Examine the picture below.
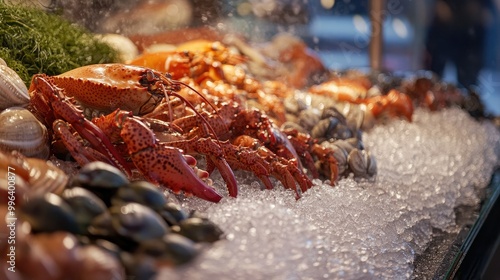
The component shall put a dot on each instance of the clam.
(308, 118)
(339, 153)
(126, 49)
(44, 176)
(21, 131)
(39, 176)
(13, 91)
(362, 163)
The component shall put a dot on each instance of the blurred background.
(458, 40)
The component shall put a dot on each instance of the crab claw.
(163, 164)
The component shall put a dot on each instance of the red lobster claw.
(163, 164)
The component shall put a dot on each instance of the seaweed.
(33, 41)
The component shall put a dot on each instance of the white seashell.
(21, 131)
(13, 91)
(123, 45)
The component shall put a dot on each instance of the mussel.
(137, 222)
(172, 249)
(85, 205)
(199, 229)
(49, 213)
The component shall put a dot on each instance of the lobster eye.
(150, 76)
(168, 75)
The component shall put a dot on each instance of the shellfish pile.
(99, 225)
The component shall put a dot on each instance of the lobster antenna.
(204, 98)
(200, 95)
(190, 105)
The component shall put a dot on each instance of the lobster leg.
(325, 156)
(78, 151)
(214, 153)
(286, 171)
(75, 147)
(302, 144)
(64, 109)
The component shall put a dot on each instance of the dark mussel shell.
(138, 222)
(172, 249)
(199, 229)
(102, 228)
(172, 213)
(102, 179)
(139, 266)
(49, 213)
(142, 192)
(85, 205)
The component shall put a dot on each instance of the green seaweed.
(33, 41)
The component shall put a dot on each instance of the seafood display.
(107, 156)
(153, 117)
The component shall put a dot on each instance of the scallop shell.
(21, 131)
(13, 91)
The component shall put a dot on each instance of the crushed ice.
(357, 229)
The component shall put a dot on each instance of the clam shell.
(362, 163)
(46, 177)
(13, 91)
(37, 175)
(21, 131)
